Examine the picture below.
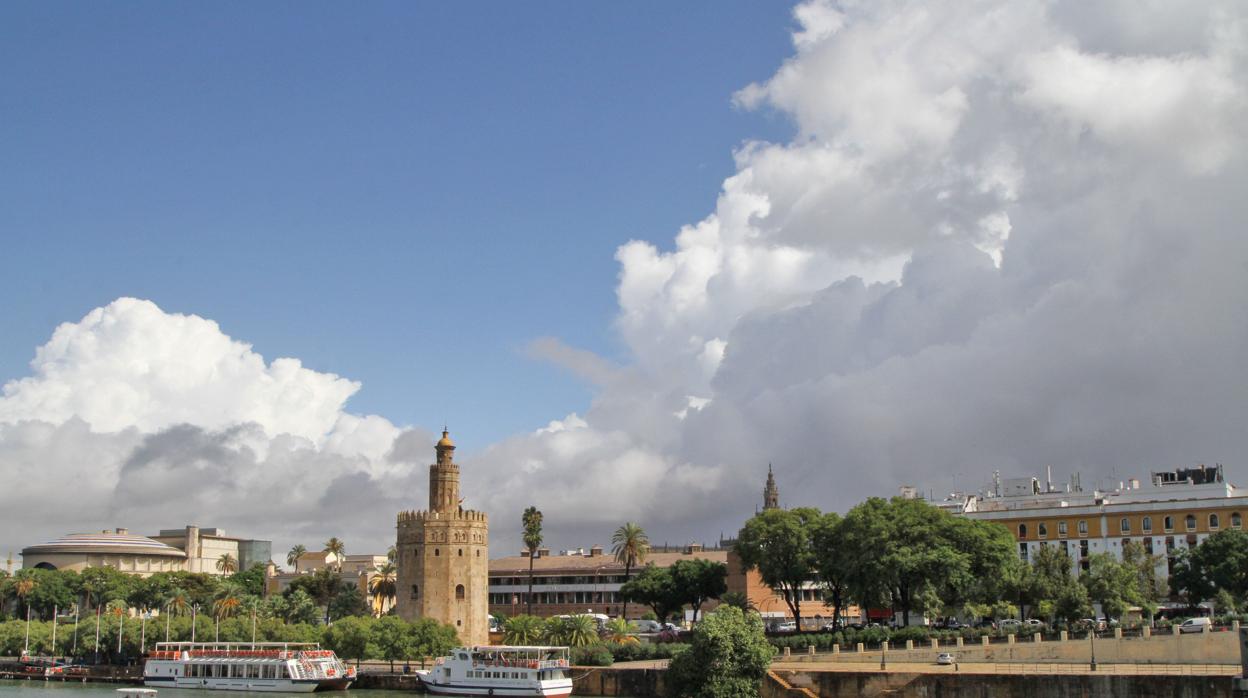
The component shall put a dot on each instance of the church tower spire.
(444, 477)
(771, 493)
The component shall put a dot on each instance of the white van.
(1196, 625)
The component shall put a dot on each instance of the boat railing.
(523, 663)
(228, 654)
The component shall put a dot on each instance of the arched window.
(1236, 520)
(1214, 522)
(437, 552)
(1042, 530)
(461, 552)
(459, 592)
(1190, 521)
(1168, 523)
(478, 553)
(1083, 527)
(1022, 530)
(1147, 524)
(1125, 525)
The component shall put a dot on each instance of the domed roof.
(445, 441)
(119, 542)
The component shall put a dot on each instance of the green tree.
(348, 602)
(322, 585)
(863, 533)
(383, 587)
(1219, 563)
(653, 587)
(531, 520)
(727, 658)
(227, 564)
(630, 545)
(832, 562)
(249, 581)
(779, 543)
(1110, 583)
(338, 549)
(349, 637)
(393, 639)
(738, 600)
(697, 581)
(522, 630)
(292, 557)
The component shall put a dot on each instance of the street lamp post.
(74, 651)
(97, 634)
(194, 615)
(1092, 640)
(27, 646)
(55, 609)
(121, 628)
(143, 634)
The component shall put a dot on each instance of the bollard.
(959, 641)
(1148, 632)
(1009, 639)
(861, 648)
(810, 649)
(1117, 633)
(1174, 629)
(788, 652)
(1062, 636)
(983, 640)
(1234, 626)
(1035, 637)
(935, 643)
(836, 649)
(909, 644)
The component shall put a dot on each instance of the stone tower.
(443, 556)
(771, 493)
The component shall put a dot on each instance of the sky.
(255, 258)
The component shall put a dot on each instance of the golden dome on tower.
(445, 441)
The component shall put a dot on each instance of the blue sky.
(405, 194)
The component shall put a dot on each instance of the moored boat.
(289, 667)
(513, 672)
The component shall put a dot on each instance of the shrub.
(597, 655)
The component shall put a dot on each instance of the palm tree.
(227, 564)
(630, 545)
(522, 630)
(620, 632)
(383, 587)
(580, 631)
(532, 522)
(338, 548)
(392, 553)
(292, 557)
(22, 588)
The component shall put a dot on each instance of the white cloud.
(1004, 235)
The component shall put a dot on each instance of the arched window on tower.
(461, 552)
(459, 592)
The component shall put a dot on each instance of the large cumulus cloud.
(1005, 235)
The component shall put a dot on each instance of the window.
(1042, 530)
(459, 592)
(1147, 524)
(437, 553)
(1190, 522)
(1214, 522)
(1061, 529)
(1168, 523)
(1236, 521)
(1125, 525)
(1148, 546)
(1083, 527)
(415, 591)
(1022, 551)
(1022, 530)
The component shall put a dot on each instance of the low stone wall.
(606, 681)
(1168, 648)
(902, 685)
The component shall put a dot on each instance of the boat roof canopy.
(517, 648)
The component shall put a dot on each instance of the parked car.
(787, 626)
(1034, 625)
(669, 628)
(1010, 624)
(952, 624)
(1196, 625)
(986, 623)
(945, 658)
(648, 626)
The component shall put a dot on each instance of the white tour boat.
(244, 666)
(515, 672)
